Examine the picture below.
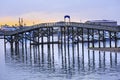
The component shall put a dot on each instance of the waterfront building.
(103, 22)
(8, 28)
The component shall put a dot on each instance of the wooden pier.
(74, 31)
(32, 40)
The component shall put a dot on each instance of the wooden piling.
(82, 48)
(65, 45)
(78, 52)
(53, 47)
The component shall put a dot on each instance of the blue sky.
(54, 10)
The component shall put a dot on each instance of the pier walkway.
(40, 43)
(63, 24)
(64, 31)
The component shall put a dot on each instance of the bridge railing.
(60, 24)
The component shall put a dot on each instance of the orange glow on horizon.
(12, 21)
(34, 18)
(30, 18)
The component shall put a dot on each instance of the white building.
(103, 22)
(7, 28)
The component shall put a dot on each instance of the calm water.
(103, 68)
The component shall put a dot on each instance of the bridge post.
(93, 38)
(110, 47)
(53, 46)
(48, 45)
(25, 45)
(103, 47)
(88, 37)
(115, 34)
(110, 38)
(65, 45)
(35, 56)
(78, 52)
(93, 41)
(61, 30)
(5, 43)
(99, 45)
(68, 34)
(104, 39)
(16, 45)
(11, 44)
(65, 50)
(99, 40)
(82, 32)
(38, 31)
(42, 47)
(73, 54)
(30, 47)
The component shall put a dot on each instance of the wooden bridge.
(64, 24)
(29, 42)
(64, 31)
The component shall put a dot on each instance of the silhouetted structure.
(33, 40)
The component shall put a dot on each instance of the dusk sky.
(39, 11)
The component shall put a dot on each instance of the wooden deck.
(67, 24)
(106, 49)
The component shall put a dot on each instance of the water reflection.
(65, 59)
(69, 59)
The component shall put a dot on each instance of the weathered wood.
(75, 24)
(106, 49)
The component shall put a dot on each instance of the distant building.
(103, 22)
(7, 28)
